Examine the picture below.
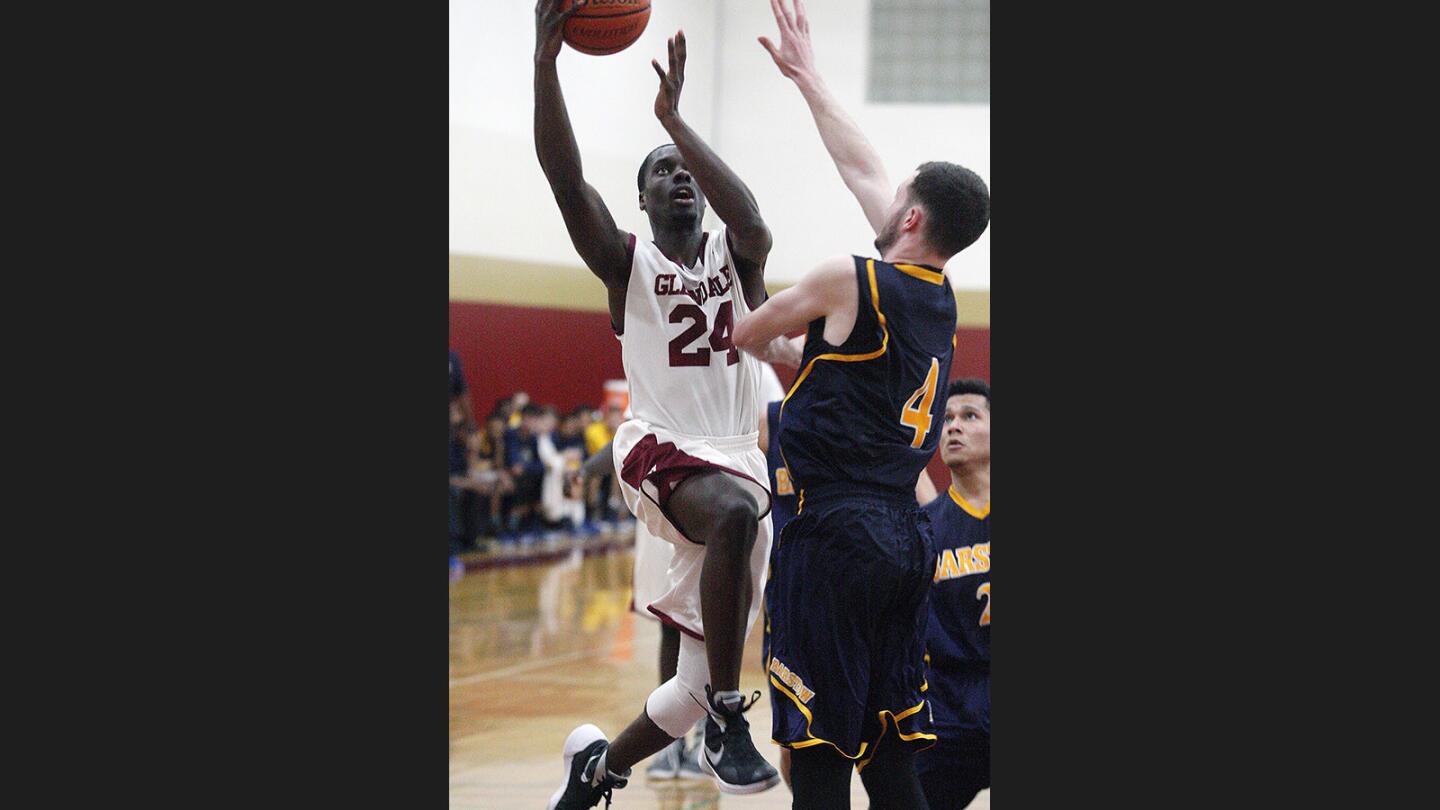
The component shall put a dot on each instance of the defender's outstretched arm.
(859, 164)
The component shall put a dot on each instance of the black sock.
(890, 778)
(820, 779)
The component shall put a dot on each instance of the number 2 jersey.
(684, 372)
(958, 636)
(867, 412)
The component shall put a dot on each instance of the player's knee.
(672, 708)
(736, 520)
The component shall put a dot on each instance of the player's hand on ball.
(667, 101)
(793, 56)
(550, 27)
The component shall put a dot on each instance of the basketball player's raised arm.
(827, 290)
(859, 164)
(592, 229)
(729, 197)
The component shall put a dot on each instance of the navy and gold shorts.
(846, 609)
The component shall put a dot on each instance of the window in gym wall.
(929, 51)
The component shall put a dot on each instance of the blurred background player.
(688, 463)
(958, 638)
(846, 603)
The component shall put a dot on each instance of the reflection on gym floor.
(537, 649)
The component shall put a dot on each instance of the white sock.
(599, 772)
(602, 770)
(730, 699)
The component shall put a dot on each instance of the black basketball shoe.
(728, 754)
(582, 754)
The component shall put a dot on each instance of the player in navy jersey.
(784, 503)
(958, 637)
(783, 500)
(846, 602)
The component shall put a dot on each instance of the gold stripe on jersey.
(846, 358)
(978, 514)
(922, 273)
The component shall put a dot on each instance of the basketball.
(606, 26)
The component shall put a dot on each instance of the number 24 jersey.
(684, 371)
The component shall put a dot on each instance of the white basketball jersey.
(684, 371)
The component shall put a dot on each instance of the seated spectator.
(487, 464)
(562, 452)
(518, 401)
(582, 416)
(602, 493)
(599, 432)
(572, 432)
(462, 424)
(522, 459)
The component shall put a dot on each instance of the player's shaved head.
(645, 164)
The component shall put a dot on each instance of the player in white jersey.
(652, 580)
(688, 461)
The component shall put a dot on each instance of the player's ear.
(642, 201)
(913, 217)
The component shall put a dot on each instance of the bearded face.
(890, 232)
(898, 208)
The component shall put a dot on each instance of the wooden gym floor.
(539, 648)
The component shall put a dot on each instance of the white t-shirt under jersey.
(683, 370)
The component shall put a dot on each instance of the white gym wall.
(500, 204)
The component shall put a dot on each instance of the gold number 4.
(916, 413)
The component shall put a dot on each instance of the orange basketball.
(602, 27)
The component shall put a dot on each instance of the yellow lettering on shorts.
(791, 680)
(782, 482)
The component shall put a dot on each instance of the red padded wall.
(563, 357)
(560, 357)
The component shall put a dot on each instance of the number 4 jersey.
(869, 411)
(684, 372)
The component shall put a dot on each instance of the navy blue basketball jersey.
(867, 411)
(958, 636)
(782, 490)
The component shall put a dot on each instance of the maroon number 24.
(719, 339)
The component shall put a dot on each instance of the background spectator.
(601, 493)
(522, 459)
(562, 449)
(462, 425)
